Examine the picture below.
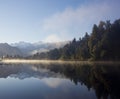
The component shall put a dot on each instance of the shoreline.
(33, 61)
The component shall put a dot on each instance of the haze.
(52, 20)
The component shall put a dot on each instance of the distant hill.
(6, 49)
(38, 47)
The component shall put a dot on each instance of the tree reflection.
(103, 79)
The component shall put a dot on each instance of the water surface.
(55, 81)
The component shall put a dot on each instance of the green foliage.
(102, 44)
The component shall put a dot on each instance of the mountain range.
(26, 48)
(6, 49)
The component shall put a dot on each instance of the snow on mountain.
(38, 47)
(21, 44)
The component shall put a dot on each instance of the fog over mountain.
(38, 47)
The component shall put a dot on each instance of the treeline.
(102, 44)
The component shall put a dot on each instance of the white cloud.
(75, 22)
(52, 38)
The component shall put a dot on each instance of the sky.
(52, 20)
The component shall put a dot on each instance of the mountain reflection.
(23, 71)
(103, 79)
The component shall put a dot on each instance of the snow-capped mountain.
(38, 47)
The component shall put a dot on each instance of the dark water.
(23, 81)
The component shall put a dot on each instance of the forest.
(102, 44)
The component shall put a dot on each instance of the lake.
(59, 81)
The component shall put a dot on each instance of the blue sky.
(52, 20)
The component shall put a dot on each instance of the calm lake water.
(55, 81)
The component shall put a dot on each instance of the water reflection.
(57, 81)
(23, 71)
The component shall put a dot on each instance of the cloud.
(52, 38)
(75, 22)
